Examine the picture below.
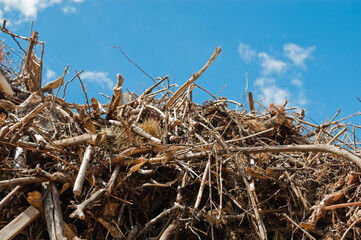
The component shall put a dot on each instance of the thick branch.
(82, 171)
(285, 148)
(53, 215)
(57, 177)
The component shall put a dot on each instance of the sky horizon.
(307, 52)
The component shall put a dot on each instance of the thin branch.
(125, 55)
(191, 80)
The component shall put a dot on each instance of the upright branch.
(194, 77)
(32, 67)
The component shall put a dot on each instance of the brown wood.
(19, 223)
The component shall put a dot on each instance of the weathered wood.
(53, 214)
(325, 148)
(5, 87)
(9, 196)
(49, 86)
(19, 223)
(58, 177)
(79, 212)
(82, 171)
(192, 79)
(143, 133)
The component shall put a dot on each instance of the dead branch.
(53, 215)
(192, 79)
(79, 212)
(143, 133)
(56, 177)
(82, 171)
(9, 196)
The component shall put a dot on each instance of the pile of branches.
(159, 166)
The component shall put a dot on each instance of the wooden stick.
(81, 139)
(275, 121)
(149, 90)
(169, 231)
(82, 171)
(349, 228)
(53, 215)
(298, 226)
(284, 148)
(156, 219)
(256, 219)
(118, 89)
(200, 191)
(79, 212)
(49, 86)
(194, 77)
(343, 205)
(251, 102)
(112, 179)
(73, 141)
(117, 97)
(330, 142)
(9, 196)
(320, 209)
(5, 87)
(19, 223)
(143, 133)
(25, 119)
(57, 177)
(28, 59)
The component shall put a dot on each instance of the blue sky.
(306, 51)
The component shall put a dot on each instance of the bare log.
(53, 215)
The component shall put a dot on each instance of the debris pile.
(160, 166)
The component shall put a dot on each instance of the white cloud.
(69, 9)
(297, 54)
(274, 94)
(246, 52)
(302, 99)
(100, 78)
(271, 65)
(28, 8)
(296, 82)
(20, 11)
(267, 85)
(262, 82)
(49, 75)
(269, 90)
